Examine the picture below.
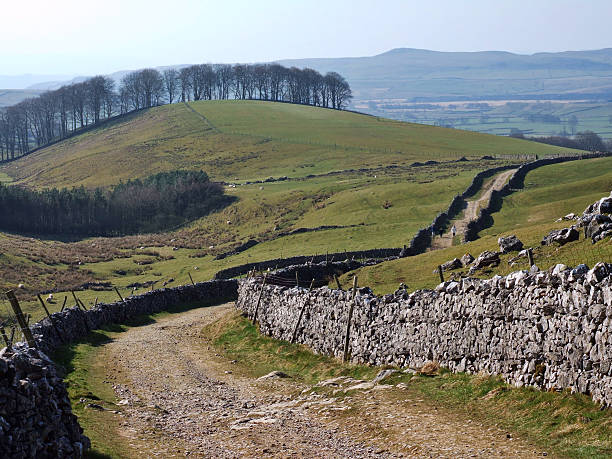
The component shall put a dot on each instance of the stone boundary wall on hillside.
(540, 329)
(36, 419)
(422, 239)
(485, 220)
(278, 263)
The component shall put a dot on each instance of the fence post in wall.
(21, 320)
(297, 324)
(337, 282)
(79, 303)
(6, 339)
(347, 334)
(263, 286)
(191, 279)
(117, 290)
(530, 257)
(50, 318)
(441, 273)
(297, 280)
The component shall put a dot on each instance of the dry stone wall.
(36, 419)
(517, 181)
(552, 331)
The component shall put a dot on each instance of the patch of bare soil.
(178, 397)
(471, 211)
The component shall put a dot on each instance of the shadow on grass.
(93, 454)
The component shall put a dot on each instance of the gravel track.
(471, 211)
(179, 398)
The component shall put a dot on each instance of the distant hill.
(12, 96)
(396, 84)
(422, 75)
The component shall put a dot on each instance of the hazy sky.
(89, 37)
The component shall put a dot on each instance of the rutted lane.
(180, 398)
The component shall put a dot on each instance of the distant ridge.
(425, 75)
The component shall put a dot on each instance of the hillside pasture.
(351, 171)
(550, 192)
(250, 140)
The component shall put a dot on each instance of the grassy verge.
(257, 355)
(563, 423)
(85, 379)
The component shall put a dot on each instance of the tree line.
(156, 203)
(586, 140)
(55, 115)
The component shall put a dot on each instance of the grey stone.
(486, 258)
(562, 236)
(467, 259)
(509, 244)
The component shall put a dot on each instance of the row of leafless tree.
(57, 114)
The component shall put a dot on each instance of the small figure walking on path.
(454, 230)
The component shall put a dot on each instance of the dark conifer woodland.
(156, 203)
(55, 115)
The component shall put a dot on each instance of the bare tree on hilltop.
(55, 115)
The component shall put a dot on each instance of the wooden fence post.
(337, 282)
(21, 319)
(117, 290)
(191, 279)
(530, 257)
(59, 335)
(79, 303)
(64, 303)
(347, 335)
(441, 273)
(6, 339)
(297, 281)
(263, 286)
(297, 324)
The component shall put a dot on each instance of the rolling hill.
(421, 75)
(373, 182)
(250, 140)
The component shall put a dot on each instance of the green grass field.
(345, 169)
(550, 192)
(253, 140)
(499, 118)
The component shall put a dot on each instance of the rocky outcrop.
(603, 206)
(562, 236)
(485, 259)
(455, 263)
(509, 244)
(552, 331)
(467, 259)
(598, 227)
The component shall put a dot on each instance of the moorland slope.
(373, 181)
(249, 140)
